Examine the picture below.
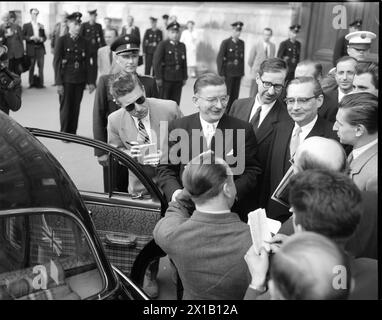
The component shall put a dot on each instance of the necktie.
(143, 136)
(210, 131)
(294, 141)
(111, 57)
(256, 119)
(350, 158)
(266, 51)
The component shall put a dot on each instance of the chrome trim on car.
(139, 290)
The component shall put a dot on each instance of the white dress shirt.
(265, 109)
(209, 129)
(35, 28)
(357, 152)
(146, 123)
(305, 130)
(341, 94)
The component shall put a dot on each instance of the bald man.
(303, 269)
(323, 153)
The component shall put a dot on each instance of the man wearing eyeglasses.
(125, 58)
(304, 98)
(211, 129)
(264, 111)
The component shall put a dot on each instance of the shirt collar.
(308, 127)
(205, 124)
(358, 151)
(263, 105)
(144, 119)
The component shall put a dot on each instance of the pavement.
(40, 109)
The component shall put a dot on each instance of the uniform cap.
(238, 25)
(360, 39)
(165, 16)
(75, 16)
(295, 27)
(12, 14)
(91, 12)
(173, 26)
(153, 19)
(125, 43)
(357, 23)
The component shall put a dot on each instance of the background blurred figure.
(104, 55)
(230, 62)
(107, 23)
(366, 78)
(164, 25)
(262, 50)
(34, 35)
(92, 32)
(190, 38)
(151, 40)
(14, 41)
(60, 29)
(131, 30)
(357, 125)
(290, 50)
(302, 269)
(341, 46)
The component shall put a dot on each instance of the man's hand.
(60, 89)
(91, 88)
(258, 266)
(103, 160)
(152, 159)
(277, 241)
(159, 82)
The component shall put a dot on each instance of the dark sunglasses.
(131, 106)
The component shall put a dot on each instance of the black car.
(62, 239)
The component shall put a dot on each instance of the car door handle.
(122, 241)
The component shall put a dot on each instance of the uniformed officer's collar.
(234, 40)
(174, 42)
(74, 37)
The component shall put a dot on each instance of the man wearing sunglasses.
(304, 97)
(126, 58)
(264, 111)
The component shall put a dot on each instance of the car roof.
(30, 177)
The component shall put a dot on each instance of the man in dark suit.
(264, 111)
(151, 40)
(34, 35)
(232, 139)
(130, 30)
(230, 62)
(92, 31)
(309, 68)
(304, 98)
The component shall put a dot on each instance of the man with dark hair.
(263, 112)
(230, 62)
(170, 65)
(304, 98)
(207, 247)
(34, 35)
(309, 68)
(126, 56)
(151, 39)
(302, 269)
(366, 78)
(261, 51)
(212, 129)
(357, 125)
(105, 56)
(73, 71)
(341, 46)
(92, 32)
(290, 50)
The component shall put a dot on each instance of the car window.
(46, 256)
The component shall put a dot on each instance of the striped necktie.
(143, 136)
(294, 141)
(350, 158)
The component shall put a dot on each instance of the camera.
(7, 80)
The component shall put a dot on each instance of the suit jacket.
(103, 60)
(279, 156)
(241, 109)
(121, 128)
(134, 33)
(364, 170)
(14, 42)
(56, 34)
(169, 175)
(257, 56)
(208, 251)
(329, 107)
(104, 104)
(34, 49)
(230, 58)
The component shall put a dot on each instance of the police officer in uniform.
(151, 40)
(341, 46)
(92, 31)
(230, 62)
(290, 51)
(73, 71)
(170, 65)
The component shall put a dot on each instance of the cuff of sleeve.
(176, 192)
(259, 289)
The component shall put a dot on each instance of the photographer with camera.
(10, 85)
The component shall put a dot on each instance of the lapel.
(268, 123)
(359, 163)
(280, 149)
(195, 124)
(246, 109)
(317, 130)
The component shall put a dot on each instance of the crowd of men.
(319, 130)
